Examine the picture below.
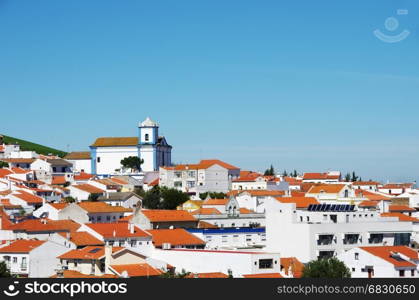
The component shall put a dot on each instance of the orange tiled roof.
(28, 197)
(115, 141)
(257, 193)
(5, 172)
(392, 208)
(297, 193)
(77, 155)
(20, 171)
(89, 252)
(385, 252)
(58, 180)
(38, 225)
(137, 270)
(75, 274)
(326, 188)
(83, 176)
(207, 275)
(397, 186)
(206, 211)
(292, 266)
(89, 188)
(59, 206)
(165, 215)
(368, 203)
(21, 246)
(370, 195)
(82, 238)
(301, 202)
(365, 183)
(203, 224)
(263, 275)
(244, 211)
(402, 217)
(215, 202)
(101, 207)
(118, 181)
(118, 230)
(176, 237)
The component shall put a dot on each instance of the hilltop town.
(123, 209)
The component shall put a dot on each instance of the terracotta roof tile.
(263, 275)
(137, 270)
(176, 237)
(101, 207)
(77, 155)
(119, 230)
(82, 238)
(21, 246)
(326, 188)
(301, 202)
(89, 252)
(165, 215)
(387, 253)
(115, 141)
(89, 188)
(206, 211)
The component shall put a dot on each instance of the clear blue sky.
(301, 84)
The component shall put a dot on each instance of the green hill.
(28, 146)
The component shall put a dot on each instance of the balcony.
(351, 239)
(325, 240)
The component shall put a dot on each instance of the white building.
(81, 161)
(207, 176)
(107, 152)
(325, 230)
(381, 261)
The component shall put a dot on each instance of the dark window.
(146, 137)
(98, 159)
(401, 273)
(265, 263)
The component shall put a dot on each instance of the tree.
(213, 195)
(172, 274)
(295, 174)
(285, 173)
(4, 272)
(151, 199)
(69, 199)
(132, 162)
(270, 171)
(172, 198)
(3, 164)
(354, 177)
(93, 197)
(348, 177)
(326, 268)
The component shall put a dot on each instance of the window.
(353, 269)
(248, 238)
(98, 159)
(356, 256)
(146, 137)
(265, 263)
(14, 259)
(401, 273)
(99, 218)
(412, 273)
(108, 218)
(133, 243)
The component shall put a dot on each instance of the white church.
(107, 152)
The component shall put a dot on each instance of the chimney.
(108, 258)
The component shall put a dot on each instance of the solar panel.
(310, 207)
(318, 206)
(324, 207)
(327, 207)
(352, 208)
(94, 250)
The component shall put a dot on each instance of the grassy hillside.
(28, 146)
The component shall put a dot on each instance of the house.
(93, 212)
(81, 161)
(332, 193)
(41, 229)
(231, 237)
(120, 234)
(31, 258)
(255, 199)
(382, 262)
(190, 205)
(218, 204)
(328, 177)
(396, 189)
(211, 175)
(97, 260)
(50, 210)
(135, 270)
(46, 168)
(261, 182)
(325, 230)
(82, 192)
(175, 238)
(163, 219)
(107, 152)
(24, 163)
(28, 201)
(366, 185)
(236, 263)
(123, 199)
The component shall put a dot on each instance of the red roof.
(83, 176)
(5, 172)
(301, 202)
(402, 217)
(21, 246)
(81, 238)
(207, 275)
(176, 237)
(101, 207)
(118, 230)
(137, 270)
(28, 197)
(89, 188)
(166, 215)
(215, 202)
(89, 252)
(206, 211)
(400, 208)
(45, 225)
(58, 180)
(292, 265)
(388, 254)
(368, 203)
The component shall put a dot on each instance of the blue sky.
(301, 84)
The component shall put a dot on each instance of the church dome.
(148, 123)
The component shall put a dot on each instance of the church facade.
(107, 152)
